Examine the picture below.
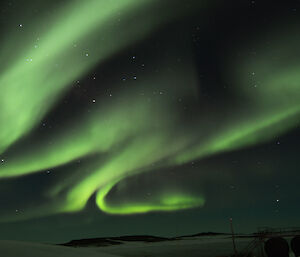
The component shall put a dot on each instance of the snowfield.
(215, 246)
(24, 249)
(208, 246)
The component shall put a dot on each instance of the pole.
(262, 252)
(232, 234)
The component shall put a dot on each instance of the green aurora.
(132, 134)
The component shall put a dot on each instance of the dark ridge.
(107, 241)
(91, 242)
(143, 238)
(205, 234)
(245, 236)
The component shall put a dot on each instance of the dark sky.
(142, 117)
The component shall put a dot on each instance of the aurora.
(139, 129)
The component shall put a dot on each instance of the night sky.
(162, 117)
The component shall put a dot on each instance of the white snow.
(215, 246)
(188, 247)
(24, 249)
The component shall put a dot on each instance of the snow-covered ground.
(24, 249)
(214, 246)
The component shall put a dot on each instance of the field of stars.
(148, 117)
